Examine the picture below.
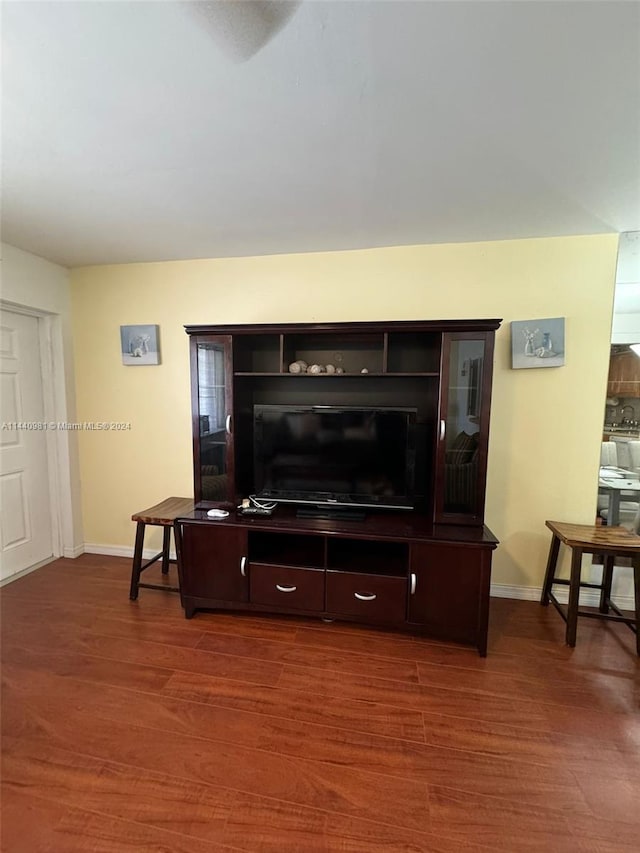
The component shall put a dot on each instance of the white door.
(25, 503)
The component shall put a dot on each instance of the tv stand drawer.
(283, 586)
(374, 597)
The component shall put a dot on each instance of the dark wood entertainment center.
(426, 570)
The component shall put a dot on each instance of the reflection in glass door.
(460, 428)
(214, 413)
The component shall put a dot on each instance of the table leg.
(574, 596)
(551, 569)
(614, 508)
(166, 545)
(137, 561)
(636, 584)
(607, 579)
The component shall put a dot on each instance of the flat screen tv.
(335, 455)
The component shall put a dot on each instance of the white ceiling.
(141, 131)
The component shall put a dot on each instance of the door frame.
(55, 409)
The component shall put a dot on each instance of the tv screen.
(335, 455)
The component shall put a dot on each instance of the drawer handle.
(365, 596)
(414, 581)
(286, 588)
(243, 566)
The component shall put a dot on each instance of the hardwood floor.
(128, 728)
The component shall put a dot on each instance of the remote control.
(255, 510)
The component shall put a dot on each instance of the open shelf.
(413, 352)
(352, 353)
(395, 354)
(334, 376)
(255, 354)
(286, 549)
(367, 557)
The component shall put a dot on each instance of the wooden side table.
(611, 542)
(161, 515)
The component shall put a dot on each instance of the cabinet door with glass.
(463, 428)
(212, 398)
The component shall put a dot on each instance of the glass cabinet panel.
(463, 430)
(214, 428)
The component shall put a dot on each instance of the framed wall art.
(140, 345)
(537, 343)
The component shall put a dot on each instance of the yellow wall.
(546, 424)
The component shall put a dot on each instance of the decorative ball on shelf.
(364, 370)
(294, 367)
(303, 365)
(330, 368)
(314, 368)
(339, 370)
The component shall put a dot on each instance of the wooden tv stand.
(425, 570)
(388, 570)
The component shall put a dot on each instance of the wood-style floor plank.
(128, 728)
(34, 824)
(299, 705)
(353, 792)
(570, 692)
(511, 827)
(524, 743)
(344, 662)
(89, 667)
(268, 827)
(75, 780)
(145, 652)
(29, 824)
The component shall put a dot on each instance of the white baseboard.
(121, 551)
(72, 553)
(524, 593)
(588, 597)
